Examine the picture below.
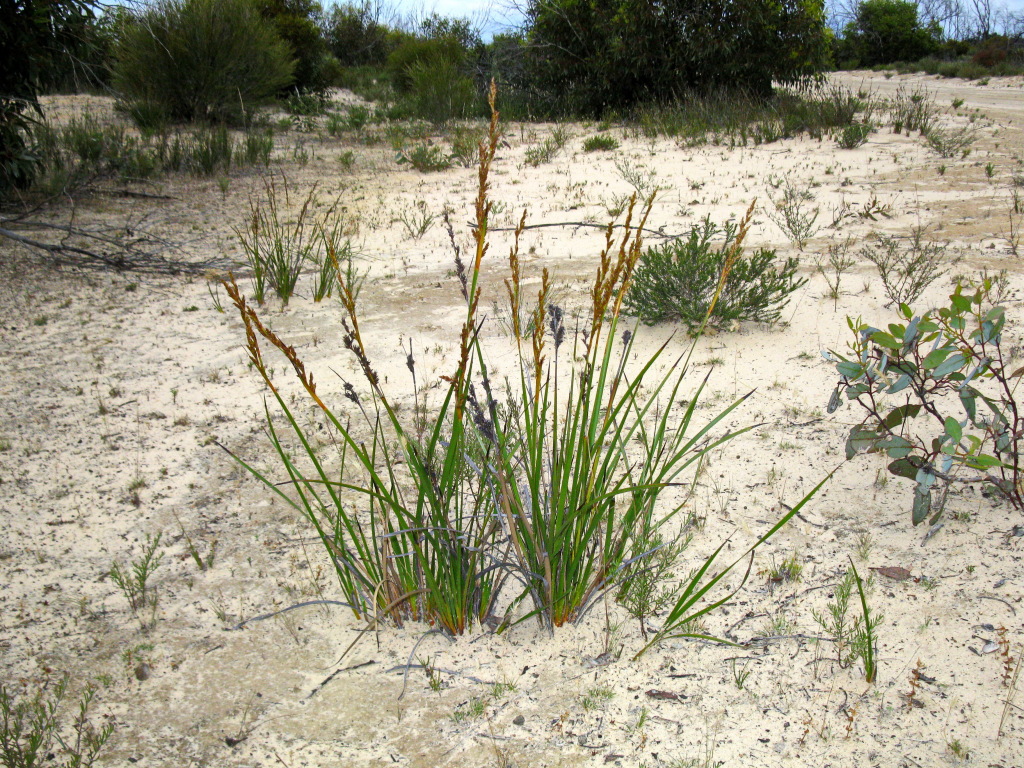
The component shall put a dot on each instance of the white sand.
(124, 382)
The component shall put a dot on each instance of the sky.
(495, 15)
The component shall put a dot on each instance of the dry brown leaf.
(894, 572)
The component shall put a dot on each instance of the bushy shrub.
(202, 59)
(907, 265)
(853, 136)
(992, 52)
(952, 142)
(438, 92)
(602, 142)
(426, 158)
(681, 280)
(421, 53)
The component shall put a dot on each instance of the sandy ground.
(115, 389)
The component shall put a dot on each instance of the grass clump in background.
(602, 142)
(686, 281)
(86, 148)
(502, 504)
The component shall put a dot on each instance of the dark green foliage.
(297, 23)
(602, 142)
(202, 59)
(432, 72)
(886, 31)
(35, 38)
(439, 92)
(86, 61)
(356, 35)
(422, 52)
(600, 55)
(678, 281)
(308, 104)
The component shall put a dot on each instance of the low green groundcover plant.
(498, 503)
(694, 281)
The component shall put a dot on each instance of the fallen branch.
(118, 252)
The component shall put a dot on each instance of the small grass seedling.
(596, 696)
(958, 750)
(739, 676)
(133, 580)
(417, 220)
(788, 570)
(864, 639)
(473, 709)
(201, 563)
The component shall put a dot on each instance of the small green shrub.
(681, 281)
(257, 146)
(426, 158)
(358, 116)
(602, 142)
(795, 213)
(212, 150)
(544, 152)
(150, 117)
(906, 265)
(133, 580)
(201, 59)
(954, 354)
(853, 136)
(951, 143)
(306, 104)
(912, 110)
(29, 728)
(465, 141)
(856, 640)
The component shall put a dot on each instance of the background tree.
(886, 31)
(358, 34)
(298, 23)
(611, 54)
